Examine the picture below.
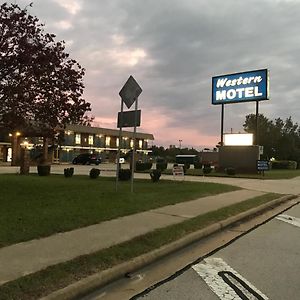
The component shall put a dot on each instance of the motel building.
(76, 139)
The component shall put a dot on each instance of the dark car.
(87, 159)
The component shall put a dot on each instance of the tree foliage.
(40, 86)
(281, 139)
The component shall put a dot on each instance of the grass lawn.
(272, 174)
(34, 206)
(39, 284)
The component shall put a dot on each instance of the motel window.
(140, 144)
(107, 141)
(131, 143)
(78, 138)
(91, 139)
(117, 142)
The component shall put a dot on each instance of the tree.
(40, 86)
(281, 139)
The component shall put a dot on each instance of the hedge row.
(284, 164)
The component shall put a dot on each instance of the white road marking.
(225, 282)
(289, 219)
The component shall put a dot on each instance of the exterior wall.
(104, 142)
(242, 158)
(76, 139)
(211, 158)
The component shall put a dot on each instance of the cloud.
(173, 48)
(72, 6)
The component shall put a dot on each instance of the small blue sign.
(262, 165)
(241, 87)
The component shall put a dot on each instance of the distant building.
(76, 139)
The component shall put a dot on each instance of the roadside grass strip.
(33, 207)
(46, 281)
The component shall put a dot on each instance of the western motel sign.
(241, 87)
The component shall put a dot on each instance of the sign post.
(241, 87)
(129, 94)
(120, 145)
(262, 166)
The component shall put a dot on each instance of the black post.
(256, 125)
(222, 124)
(120, 144)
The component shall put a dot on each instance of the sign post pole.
(133, 150)
(222, 125)
(129, 94)
(119, 147)
(256, 125)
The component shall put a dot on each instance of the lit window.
(117, 142)
(131, 143)
(107, 141)
(91, 139)
(140, 144)
(77, 138)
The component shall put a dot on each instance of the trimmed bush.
(43, 170)
(187, 166)
(124, 174)
(155, 175)
(230, 171)
(94, 173)
(284, 164)
(161, 166)
(206, 169)
(198, 165)
(68, 172)
(143, 166)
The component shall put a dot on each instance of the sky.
(173, 48)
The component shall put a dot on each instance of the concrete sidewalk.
(29, 257)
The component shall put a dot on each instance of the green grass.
(272, 174)
(33, 206)
(46, 281)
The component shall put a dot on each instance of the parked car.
(87, 159)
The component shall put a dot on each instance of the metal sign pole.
(256, 125)
(120, 143)
(133, 150)
(222, 124)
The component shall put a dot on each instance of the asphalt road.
(263, 264)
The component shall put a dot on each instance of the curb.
(96, 281)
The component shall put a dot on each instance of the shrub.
(94, 173)
(143, 166)
(230, 171)
(161, 166)
(198, 165)
(160, 160)
(43, 170)
(284, 164)
(68, 172)
(155, 175)
(206, 169)
(124, 174)
(187, 166)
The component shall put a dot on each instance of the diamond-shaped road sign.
(130, 91)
